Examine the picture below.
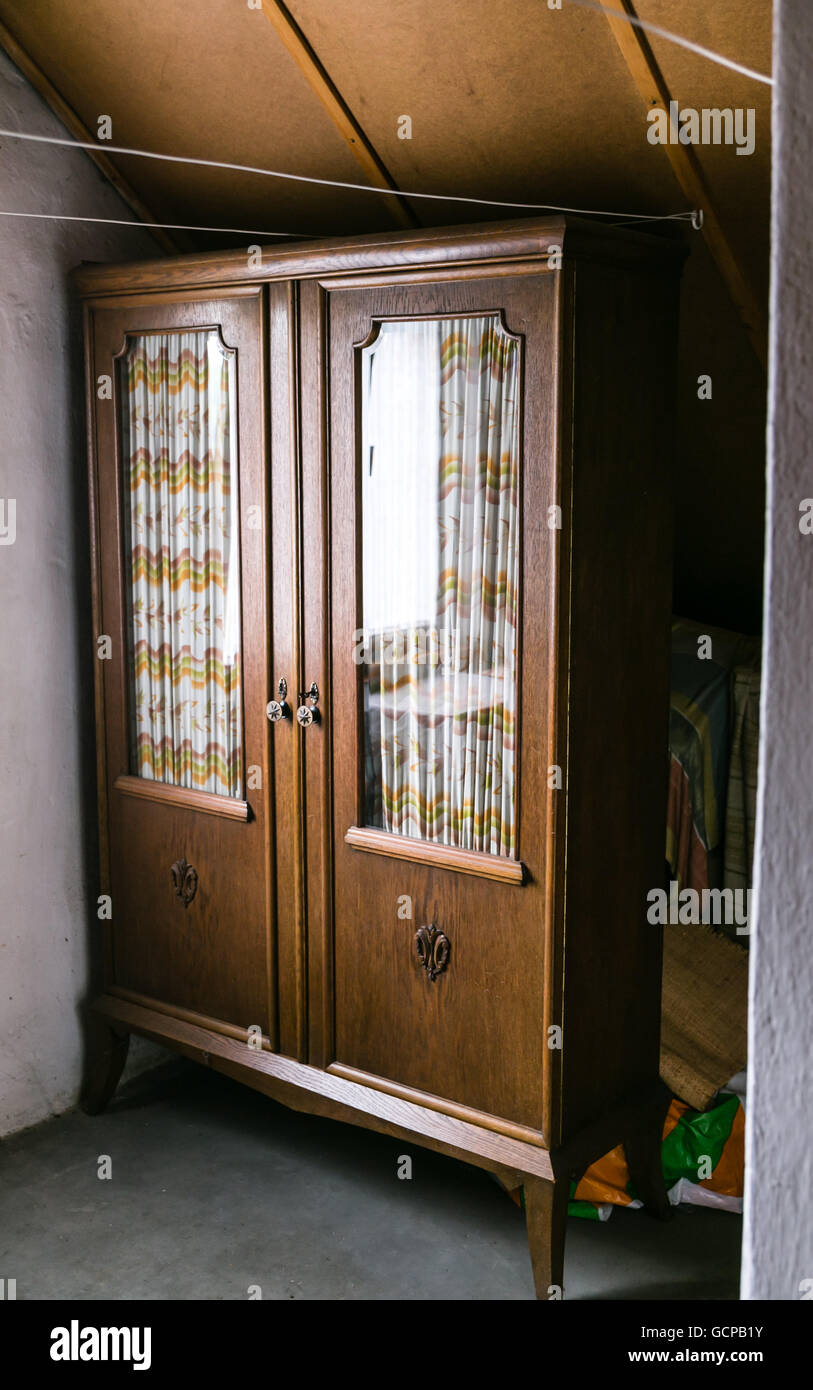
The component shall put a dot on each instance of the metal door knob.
(278, 709)
(308, 714)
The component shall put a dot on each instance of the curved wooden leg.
(642, 1146)
(107, 1055)
(545, 1217)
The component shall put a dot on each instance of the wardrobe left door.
(180, 489)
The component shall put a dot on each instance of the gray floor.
(215, 1189)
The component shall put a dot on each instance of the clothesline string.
(107, 148)
(245, 231)
(667, 34)
(163, 226)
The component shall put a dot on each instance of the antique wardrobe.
(382, 577)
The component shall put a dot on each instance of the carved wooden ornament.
(433, 950)
(184, 881)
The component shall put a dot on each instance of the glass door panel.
(182, 569)
(440, 452)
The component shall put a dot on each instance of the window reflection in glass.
(440, 541)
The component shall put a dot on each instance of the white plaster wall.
(47, 761)
(778, 1237)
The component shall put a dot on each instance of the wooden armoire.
(382, 595)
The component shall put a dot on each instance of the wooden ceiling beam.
(342, 117)
(649, 79)
(77, 128)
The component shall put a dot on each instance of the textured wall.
(47, 761)
(778, 1245)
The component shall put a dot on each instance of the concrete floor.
(215, 1188)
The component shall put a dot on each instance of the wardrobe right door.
(441, 697)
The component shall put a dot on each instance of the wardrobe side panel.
(625, 328)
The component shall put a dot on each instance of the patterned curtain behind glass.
(183, 590)
(441, 750)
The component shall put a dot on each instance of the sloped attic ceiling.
(508, 100)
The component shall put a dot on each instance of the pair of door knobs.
(306, 713)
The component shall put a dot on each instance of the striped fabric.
(183, 574)
(442, 698)
(742, 780)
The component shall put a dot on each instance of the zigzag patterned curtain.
(179, 436)
(440, 477)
